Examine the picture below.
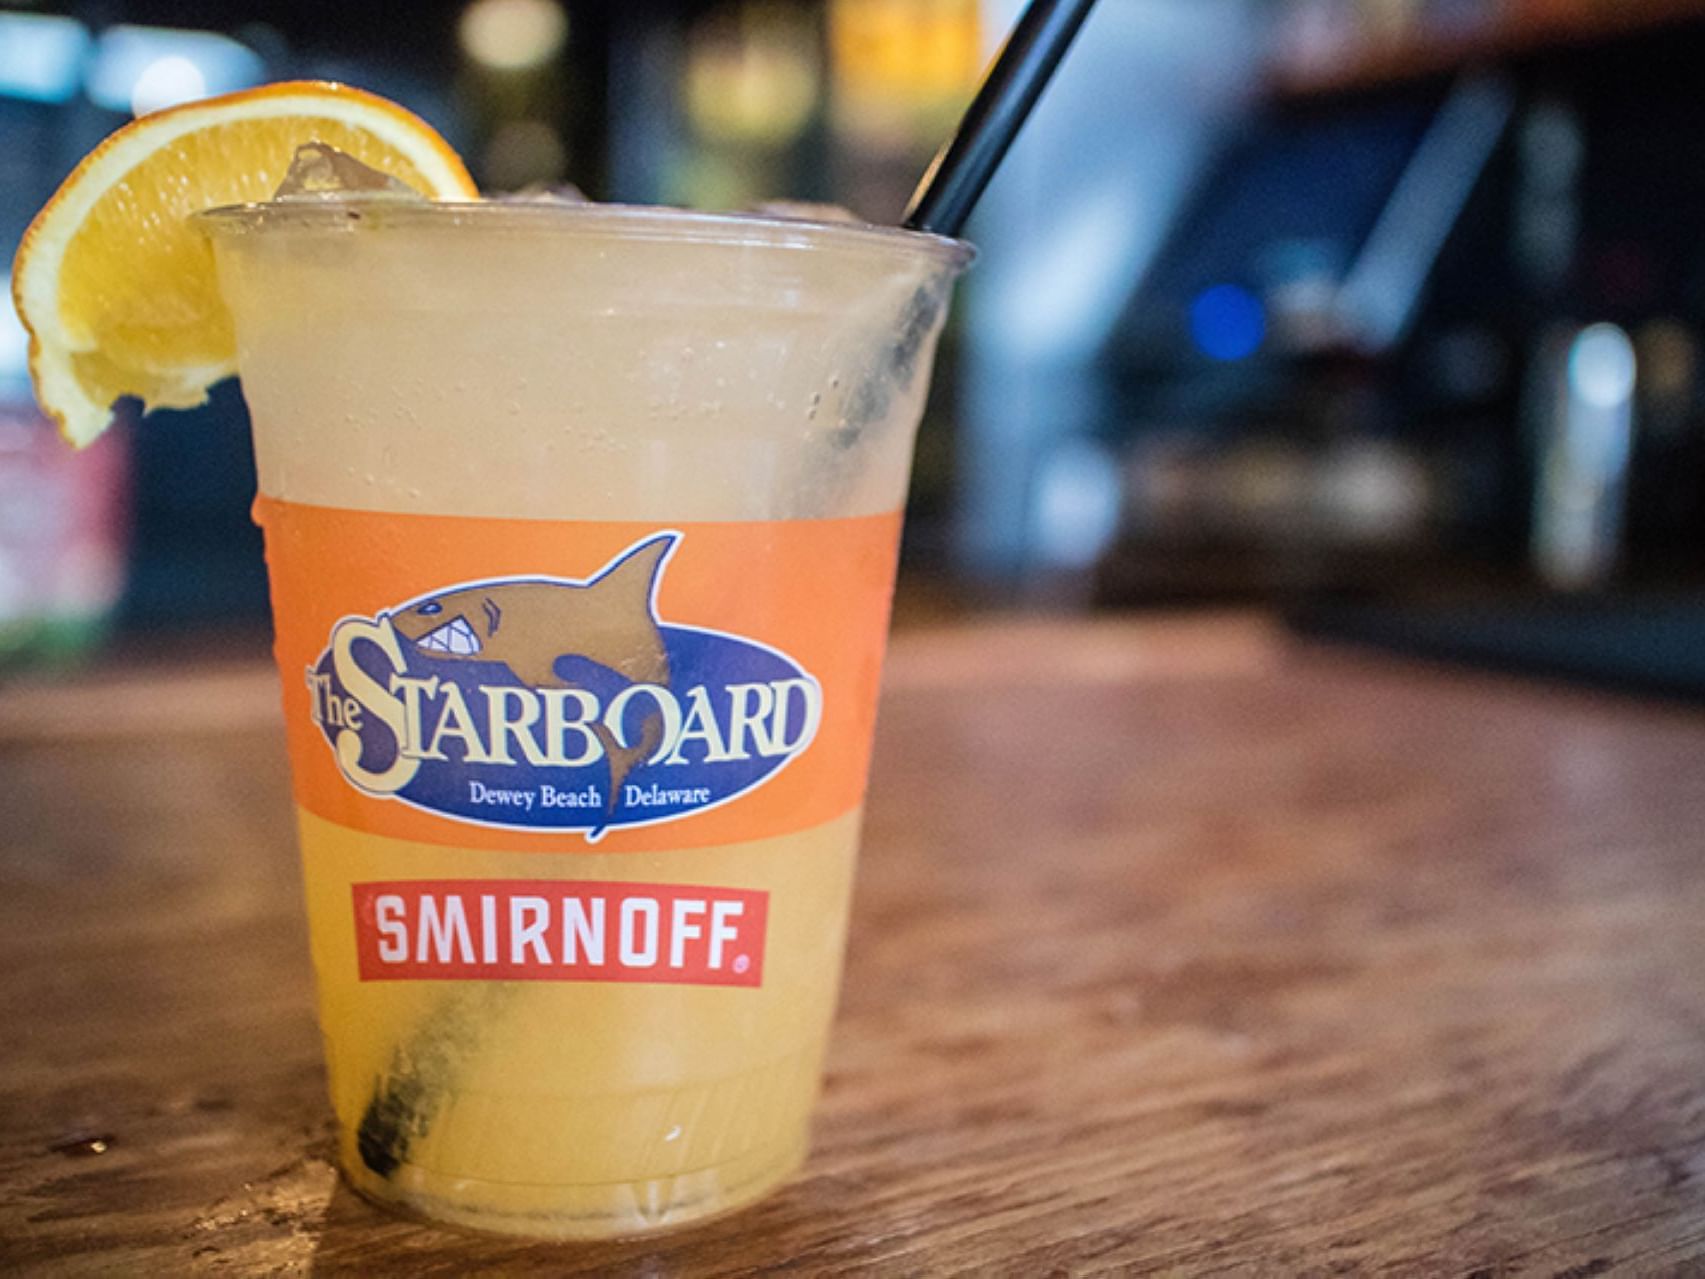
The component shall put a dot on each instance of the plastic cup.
(581, 526)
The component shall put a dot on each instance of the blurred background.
(1383, 314)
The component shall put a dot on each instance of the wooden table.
(1176, 950)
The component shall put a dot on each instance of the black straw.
(949, 190)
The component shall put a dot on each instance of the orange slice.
(117, 289)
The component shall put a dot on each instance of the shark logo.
(558, 704)
(607, 623)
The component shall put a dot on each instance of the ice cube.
(566, 193)
(805, 211)
(321, 172)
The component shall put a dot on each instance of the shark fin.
(635, 574)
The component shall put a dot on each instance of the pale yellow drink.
(549, 364)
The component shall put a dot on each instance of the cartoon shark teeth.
(455, 637)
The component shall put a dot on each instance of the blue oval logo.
(546, 703)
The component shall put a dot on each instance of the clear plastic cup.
(600, 507)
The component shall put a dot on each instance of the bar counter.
(1178, 947)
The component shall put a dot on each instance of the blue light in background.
(1227, 322)
(41, 56)
(142, 69)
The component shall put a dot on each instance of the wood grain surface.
(1176, 950)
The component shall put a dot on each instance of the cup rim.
(344, 215)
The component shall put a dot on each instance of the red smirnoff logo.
(552, 930)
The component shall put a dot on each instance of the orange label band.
(564, 686)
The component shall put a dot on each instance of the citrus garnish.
(118, 290)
